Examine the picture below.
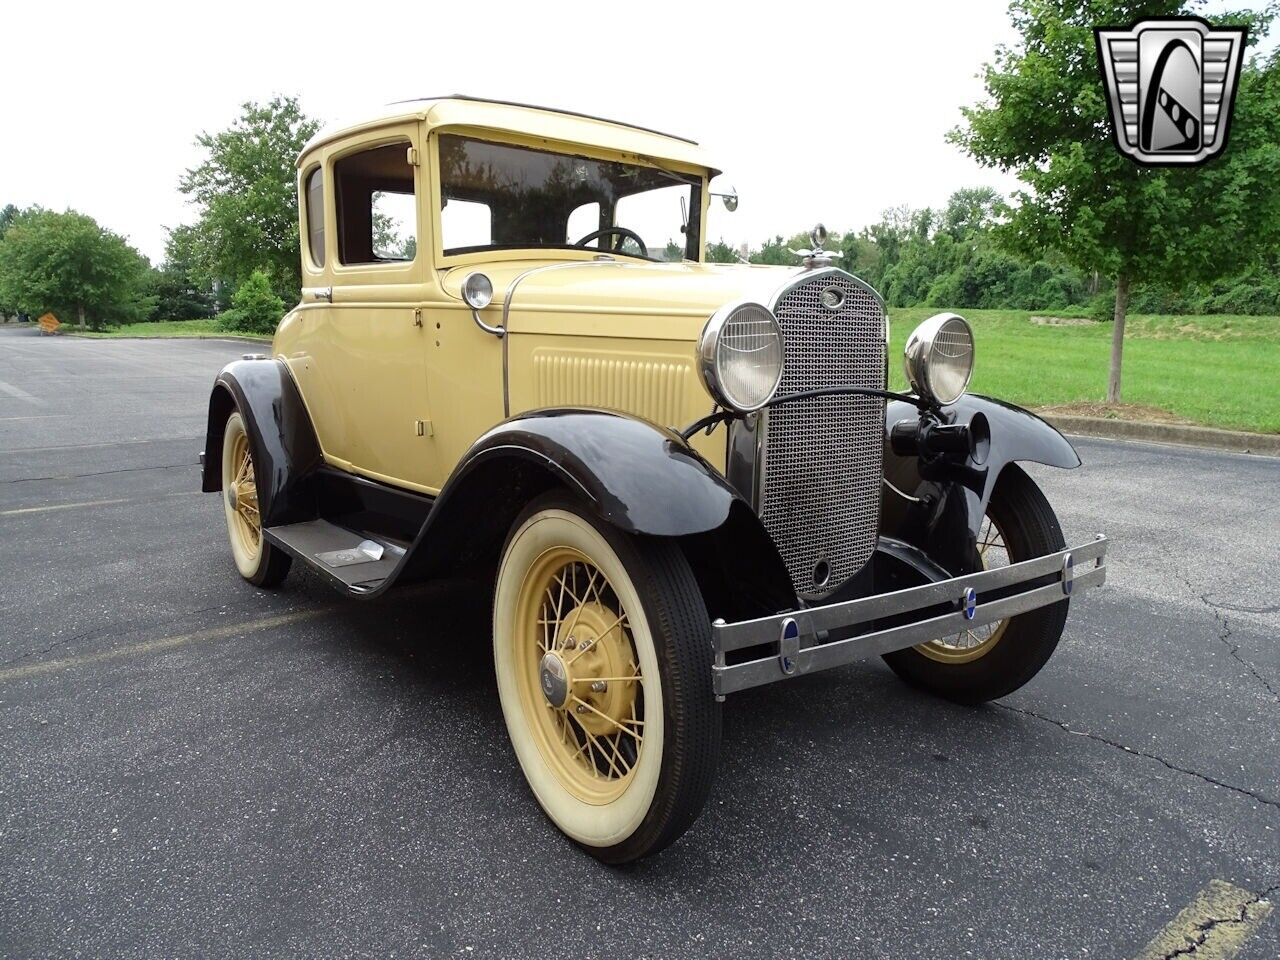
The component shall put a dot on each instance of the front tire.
(259, 562)
(993, 661)
(602, 650)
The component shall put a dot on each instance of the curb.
(198, 336)
(1261, 444)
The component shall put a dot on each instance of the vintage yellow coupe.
(682, 479)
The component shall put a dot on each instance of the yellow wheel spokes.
(970, 644)
(244, 493)
(591, 735)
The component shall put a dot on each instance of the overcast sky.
(830, 111)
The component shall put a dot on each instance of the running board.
(334, 553)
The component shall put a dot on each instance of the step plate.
(306, 541)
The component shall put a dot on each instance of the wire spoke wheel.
(602, 651)
(240, 492)
(581, 679)
(988, 662)
(970, 644)
(258, 561)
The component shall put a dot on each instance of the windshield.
(501, 197)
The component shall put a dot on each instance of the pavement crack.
(1205, 928)
(104, 473)
(1098, 738)
(49, 649)
(1224, 636)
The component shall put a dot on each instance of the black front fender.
(635, 475)
(639, 477)
(939, 508)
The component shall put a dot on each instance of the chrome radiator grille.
(820, 489)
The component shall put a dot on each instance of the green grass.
(163, 328)
(1221, 371)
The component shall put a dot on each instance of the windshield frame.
(694, 176)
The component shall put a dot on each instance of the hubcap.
(555, 680)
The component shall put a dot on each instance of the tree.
(7, 216)
(255, 306)
(180, 292)
(775, 252)
(1046, 120)
(246, 194)
(721, 252)
(66, 263)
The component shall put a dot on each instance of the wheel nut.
(599, 686)
(580, 708)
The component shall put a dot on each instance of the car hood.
(622, 288)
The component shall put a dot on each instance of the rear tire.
(622, 765)
(259, 562)
(1019, 646)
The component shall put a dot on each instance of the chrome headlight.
(740, 356)
(477, 290)
(939, 358)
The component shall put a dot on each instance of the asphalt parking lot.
(193, 768)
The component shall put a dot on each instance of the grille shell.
(823, 458)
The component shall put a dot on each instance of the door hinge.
(423, 428)
(411, 156)
(417, 316)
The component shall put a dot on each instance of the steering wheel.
(621, 233)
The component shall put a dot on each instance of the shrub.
(255, 308)
(1102, 308)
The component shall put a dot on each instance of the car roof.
(566, 126)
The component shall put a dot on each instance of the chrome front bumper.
(798, 643)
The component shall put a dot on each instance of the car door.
(361, 357)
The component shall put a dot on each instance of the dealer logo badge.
(1171, 85)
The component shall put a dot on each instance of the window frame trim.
(387, 272)
(307, 174)
(445, 261)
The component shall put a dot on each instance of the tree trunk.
(1117, 338)
(82, 318)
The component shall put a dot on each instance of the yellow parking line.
(160, 645)
(1214, 926)
(96, 503)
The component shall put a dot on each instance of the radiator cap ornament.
(817, 257)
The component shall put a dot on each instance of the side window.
(315, 216)
(465, 223)
(394, 218)
(651, 213)
(584, 221)
(377, 208)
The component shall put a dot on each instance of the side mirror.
(729, 196)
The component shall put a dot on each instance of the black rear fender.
(286, 452)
